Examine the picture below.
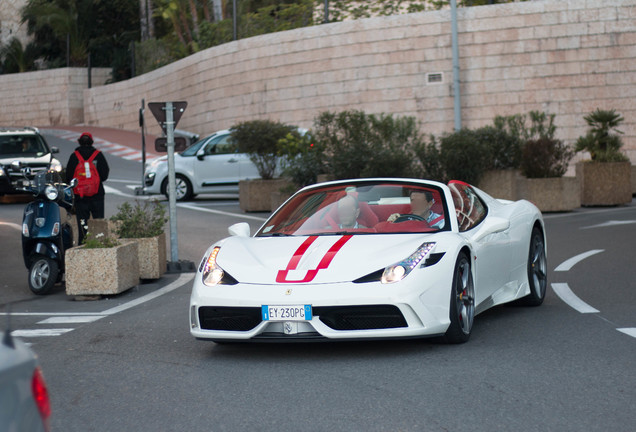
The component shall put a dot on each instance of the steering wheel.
(408, 217)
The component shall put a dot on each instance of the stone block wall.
(46, 98)
(566, 57)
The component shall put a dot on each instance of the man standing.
(89, 166)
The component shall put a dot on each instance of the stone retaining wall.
(46, 98)
(566, 57)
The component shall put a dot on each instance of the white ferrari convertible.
(371, 258)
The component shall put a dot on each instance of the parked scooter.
(47, 229)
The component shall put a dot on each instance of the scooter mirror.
(73, 183)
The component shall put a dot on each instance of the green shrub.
(545, 157)
(541, 125)
(603, 140)
(141, 220)
(502, 148)
(429, 156)
(356, 144)
(259, 139)
(301, 159)
(462, 156)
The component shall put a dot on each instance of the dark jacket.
(99, 161)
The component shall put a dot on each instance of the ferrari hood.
(313, 259)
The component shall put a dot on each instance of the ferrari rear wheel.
(462, 302)
(537, 270)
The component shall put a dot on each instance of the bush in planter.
(429, 156)
(356, 144)
(141, 220)
(541, 125)
(466, 154)
(145, 224)
(462, 157)
(259, 139)
(302, 159)
(545, 158)
(603, 140)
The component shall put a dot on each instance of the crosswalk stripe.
(40, 332)
(71, 319)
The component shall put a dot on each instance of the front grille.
(229, 318)
(360, 317)
(35, 168)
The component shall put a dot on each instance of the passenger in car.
(348, 212)
(421, 203)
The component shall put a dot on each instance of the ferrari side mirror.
(241, 229)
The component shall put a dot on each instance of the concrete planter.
(151, 254)
(103, 226)
(256, 195)
(500, 184)
(102, 271)
(605, 183)
(633, 179)
(551, 194)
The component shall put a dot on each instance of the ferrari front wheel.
(462, 302)
(537, 270)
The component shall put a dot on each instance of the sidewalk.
(121, 143)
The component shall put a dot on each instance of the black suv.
(23, 151)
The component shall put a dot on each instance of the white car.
(210, 165)
(371, 258)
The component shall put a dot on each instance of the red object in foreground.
(41, 397)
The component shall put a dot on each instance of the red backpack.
(86, 175)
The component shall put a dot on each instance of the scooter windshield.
(44, 178)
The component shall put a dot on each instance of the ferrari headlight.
(399, 271)
(212, 273)
(51, 192)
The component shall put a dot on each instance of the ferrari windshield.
(363, 207)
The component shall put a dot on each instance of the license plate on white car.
(286, 312)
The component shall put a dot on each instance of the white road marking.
(193, 207)
(51, 313)
(71, 319)
(41, 332)
(12, 225)
(183, 279)
(565, 293)
(568, 264)
(611, 223)
(628, 331)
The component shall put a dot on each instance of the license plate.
(286, 312)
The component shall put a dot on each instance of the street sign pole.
(140, 190)
(168, 115)
(172, 184)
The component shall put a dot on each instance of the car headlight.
(399, 271)
(2, 173)
(213, 274)
(51, 192)
(55, 165)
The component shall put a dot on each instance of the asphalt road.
(117, 365)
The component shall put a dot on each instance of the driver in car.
(421, 203)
